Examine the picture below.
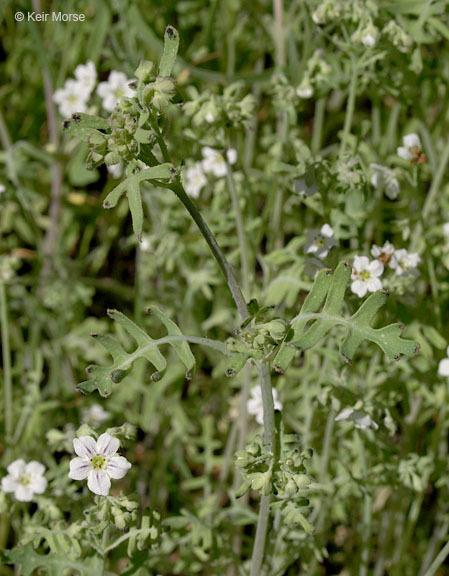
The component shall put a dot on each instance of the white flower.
(443, 366)
(368, 40)
(115, 170)
(115, 88)
(445, 229)
(86, 75)
(215, 163)
(305, 89)
(320, 241)
(95, 414)
(255, 404)
(365, 276)
(195, 179)
(361, 419)
(71, 98)
(411, 148)
(25, 480)
(403, 262)
(383, 253)
(384, 178)
(97, 461)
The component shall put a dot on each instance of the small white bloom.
(445, 229)
(2, 188)
(210, 118)
(255, 404)
(411, 148)
(195, 180)
(384, 178)
(305, 89)
(115, 170)
(215, 163)
(71, 98)
(113, 89)
(25, 480)
(319, 242)
(86, 75)
(443, 366)
(97, 461)
(368, 40)
(404, 262)
(361, 419)
(145, 245)
(365, 276)
(95, 414)
(383, 253)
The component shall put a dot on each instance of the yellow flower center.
(24, 480)
(365, 275)
(98, 462)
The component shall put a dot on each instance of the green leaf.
(82, 125)
(132, 186)
(171, 44)
(27, 560)
(102, 378)
(330, 289)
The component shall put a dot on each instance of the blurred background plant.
(285, 122)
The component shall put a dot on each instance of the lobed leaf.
(102, 378)
(330, 289)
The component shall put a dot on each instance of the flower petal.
(359, 288)
(38, 484)
(85, 446)
(117, 467)
(411, 141)
(16, 468)
(9, 484)
(107, 445)
(443, 367)
(79, 468)
(35, 468)
(344, 414)
(23, 493)
(404, 153)
(99, 482)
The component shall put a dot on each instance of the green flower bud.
(143, 71)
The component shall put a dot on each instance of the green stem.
(215, 248)
(243, 249)
(349, 108)
(367, 504)
(263, 371)
(444, 553)
(318, 121)
(6, 354)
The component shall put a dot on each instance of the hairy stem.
(215, 248)
(6, 355)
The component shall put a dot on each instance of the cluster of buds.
(397, 36)
(286, 477)
(259, 340)
(230, 108)
(332, 11)
(316, 75)
(119, 511)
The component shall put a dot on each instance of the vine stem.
(444, 553)
(237, 295)
(6, 354)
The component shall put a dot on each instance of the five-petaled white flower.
(385, 179)
(113, 89)
(411, 148)
(71, 98)
(97, 461)
(443, 366)
(25, 479)
(214, 162)
(319, 242)
(255, 405)
(195, 180)
(365, 275)
(404, 262)
(383, 253)
(86, 75)
(361, 419)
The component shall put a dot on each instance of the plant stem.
(349, 108)
(243, 246)
(444, 553)
(263, 371)
(215, 248)
(366, 532)
(318, 120)
(6, 354)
